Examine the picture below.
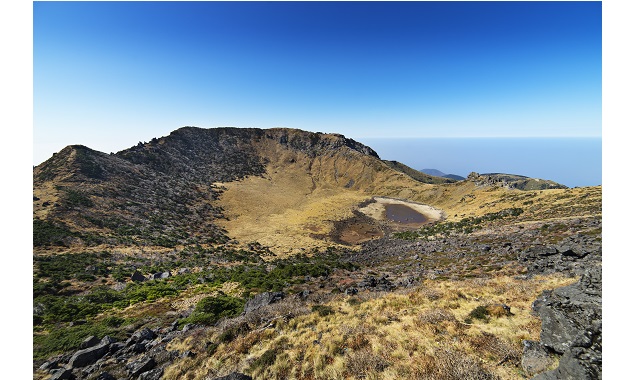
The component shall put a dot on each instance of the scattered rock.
(381, 284)
(261, 300)
(60, 374)
(138, 277)
(304, 294)
(154, 374)
(89, 355)
(141, 366)
(351, 291)
(105, 376)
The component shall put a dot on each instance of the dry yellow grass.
(417, 333)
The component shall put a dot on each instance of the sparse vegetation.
(210, 309)
(465, 226)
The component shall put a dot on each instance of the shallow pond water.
(403, 214)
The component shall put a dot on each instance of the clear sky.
(111, 74)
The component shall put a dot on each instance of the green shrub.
(480, 312)
(77, 198)
(67, 338)
(211, 348)
(49, 233)
(268, 358)
(211, 309)
(322, 310)
(231, 333)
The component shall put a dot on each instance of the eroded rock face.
(572, 327)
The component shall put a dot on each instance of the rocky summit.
(231, 253)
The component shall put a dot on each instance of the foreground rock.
(90, 355)
(572, 328)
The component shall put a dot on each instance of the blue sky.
(110, 74)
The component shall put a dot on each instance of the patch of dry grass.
(418, 333)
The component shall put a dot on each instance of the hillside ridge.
(165, 192)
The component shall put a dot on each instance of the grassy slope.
(417, 333)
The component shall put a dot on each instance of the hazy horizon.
(570, 161)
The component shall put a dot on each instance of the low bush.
(480, 312)
(211, 309)
(322, 310)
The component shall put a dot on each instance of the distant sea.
(574, 162)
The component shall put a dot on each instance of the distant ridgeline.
(438, 173)
(513, 181)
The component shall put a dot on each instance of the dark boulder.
(261, 300)
(572, 327)
(153, 374)
(140, 336)
(140, 366)
(89, 342)
(89, 355)
(138, 277)
(116, 347)
(61, 374)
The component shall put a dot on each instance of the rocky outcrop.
(572, 255)
(572, 328)
(513, 181)
(90, 355)
(138, 277)
(382, 284)
(262, 300)
(143, 356)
